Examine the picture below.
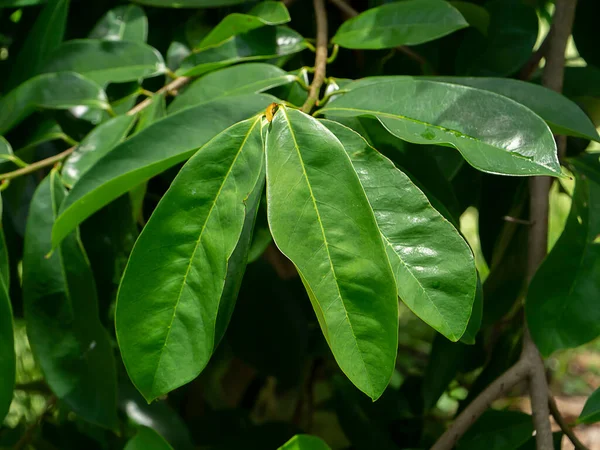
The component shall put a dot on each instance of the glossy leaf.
(7, 345)
(155, 111)
(237, 80)
(107, 61)
(433, 265)
(510, 39)
(147, 439)
(61, 312)
(123, 23)
(476, 316)
(94, 146)
(591, 409)
(493, 133)
(477, 16)
(409, 22)
(349, 280)
(305, 442)
(173, 306)
(150, 152)
(259, 44)
(498, 430)
(50, 91)
(264, 13)
(561, 114)
(45, 36)
(190, 3)
(561, 306)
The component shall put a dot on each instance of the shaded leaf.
(511, 36)
(264, 13)
(433, 265)
(477, 16)
(94, 146)
(305, 442)
(61, 312)
(150, 152)
(18, 3)
(349, 280)
(174, 305)
(498, 430)
(7, 345)
(476, 316)
(502, 137)
(591, 409)
(152, 113)
(106, 61)
(45, 36)
(561, 305)
(50, 91)
(190, 3)
(259, 44)
(409, 22)
(147, 439)
(123, 23)
(237, 80)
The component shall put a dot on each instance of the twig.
(320, 57)
(477, 407)
(534, 61)
(564, 426)
(350, 12)
(172, 86)
(30, 431)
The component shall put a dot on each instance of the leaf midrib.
(313, 199)
(225, 178)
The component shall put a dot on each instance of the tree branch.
(564, 426)
(320, 57)
(481, 403)
(539, 187)
(172, 86)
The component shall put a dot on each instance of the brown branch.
(539, 187)
(564, 426)
(350, 12)
(320, 57)
(534, 61)
(481, 403)
(30, 431)
(171, 87)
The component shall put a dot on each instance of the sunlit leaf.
(123, 23)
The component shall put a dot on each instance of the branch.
(482, 402)
(539, 187)
(320, 58)
(171, 87)
(350, 12)
(566, 429)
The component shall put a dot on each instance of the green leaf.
(511, 36)
(50, 91)
(264, 13)
(349, 280)
(61, 312)
(409, 22)
(160, 146)
(477, 16)
(44, 131)
(498, 430)
(561, 305)
(237, 80)
(7, 345)
(591, 409)
(6, 152)
(107, 61)
(502, 137)
(19, 3)
(259, 44)
(561, 114)
(305, 442)
(45, 36)
(173, 306)
(147, 439)
(433, 265)
(155, 111)
(123, 23)
(476, 316)
(94, 146)
(191, 3)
